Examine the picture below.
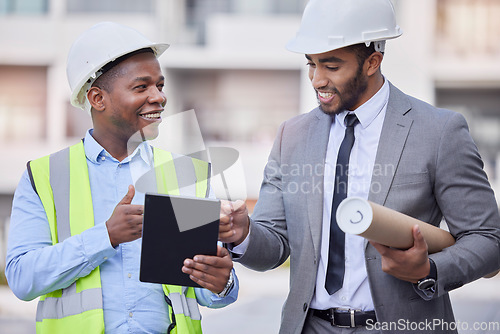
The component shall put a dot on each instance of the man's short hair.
(361, 51)
(110, 71)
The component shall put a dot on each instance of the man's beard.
(351, 93)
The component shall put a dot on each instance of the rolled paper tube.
(375, 222)
(388, 227)
(490, 275)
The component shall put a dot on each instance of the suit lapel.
(392, 141)
(317, 142)
(395, 130)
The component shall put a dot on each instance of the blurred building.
(228, 62)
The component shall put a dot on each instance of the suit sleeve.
(268, 241)
(469, 207)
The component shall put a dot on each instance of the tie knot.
(350, 120)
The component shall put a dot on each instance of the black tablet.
(176, 228)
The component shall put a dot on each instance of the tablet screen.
(176, 228)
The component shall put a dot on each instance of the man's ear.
(373, 63)
(96, 98)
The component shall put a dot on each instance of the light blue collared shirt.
(35, 267)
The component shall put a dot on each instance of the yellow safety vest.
(61, 180)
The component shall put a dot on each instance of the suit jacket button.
(305, 307)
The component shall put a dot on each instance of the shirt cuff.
(241, 248)
(209, 299)
(96, 245)
(425, 294)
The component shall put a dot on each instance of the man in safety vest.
(76, 218)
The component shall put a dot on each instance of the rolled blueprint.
(375, 222)
(388, 227)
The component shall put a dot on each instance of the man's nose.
(318, 78)
(157, 96)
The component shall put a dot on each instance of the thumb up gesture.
(125, 224)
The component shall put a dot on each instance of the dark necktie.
(336, 258)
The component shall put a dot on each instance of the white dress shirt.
(355, 292)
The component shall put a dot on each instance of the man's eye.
(140, 87)
(310, 64)
(160, 86)
(332, 68)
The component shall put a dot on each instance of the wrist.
(111, 241)
(228, 287)
(428, 283)
(246, 231)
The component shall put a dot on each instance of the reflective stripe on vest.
(70, 303)
(79, 306)
(195, 175)
(185, 306)
(61, 181)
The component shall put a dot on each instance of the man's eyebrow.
(327, 60)
(142, 78)
(148, 78)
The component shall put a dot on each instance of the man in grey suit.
(366, 139)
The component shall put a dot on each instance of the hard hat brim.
(302, 45)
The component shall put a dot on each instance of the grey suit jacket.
(426, 166)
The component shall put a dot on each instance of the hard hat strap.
(82, 96)
(378, 45)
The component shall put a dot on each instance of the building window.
(468, 27)
(23, 7)
(238, 105)
(198, 11)
(23, 91)
(480, 107)
(115, 6)
(288, 6)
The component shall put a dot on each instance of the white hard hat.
(101, 44)
(333, 24)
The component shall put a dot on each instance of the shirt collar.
(369, 110)
(94, 151)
